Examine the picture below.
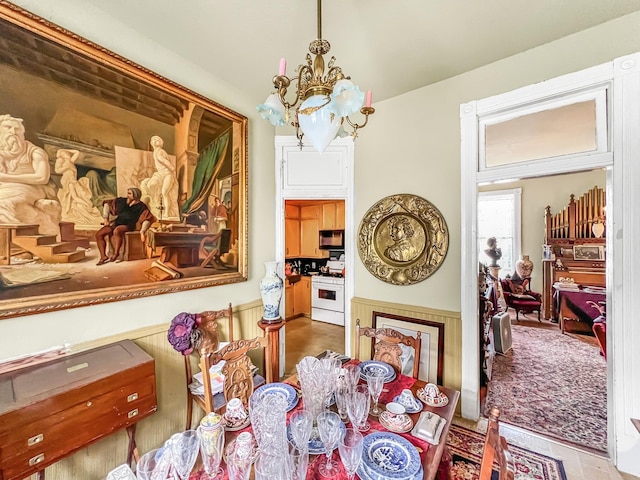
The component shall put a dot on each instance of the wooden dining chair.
(210, 318)
(385, 346)
(239, 378)
(496, 449)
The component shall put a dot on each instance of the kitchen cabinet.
(332, 216)
(303, 296)
(309, 212)
(292, 237)
(340, 219)
(291, 211)
(289, 300)
(309, 240)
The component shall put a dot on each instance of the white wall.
(37, 332)
(412, 143)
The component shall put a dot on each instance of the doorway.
(314, 278)
(621, 75)
(304, 175)
(554, 372)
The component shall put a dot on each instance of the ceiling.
(387, 46)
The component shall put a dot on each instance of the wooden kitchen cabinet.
(309, 212)
(292, 237)
(53, 409)
(309, 240)
(340, 219)
(291, 211)
(332, 216)
(289, 301)
(303, 296)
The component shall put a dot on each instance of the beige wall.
(537, 193)
(412, 144)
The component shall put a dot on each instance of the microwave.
(331, 239)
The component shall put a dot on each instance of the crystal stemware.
(153, 465)
(299, 458)
(184, 447)
(351, 372)
(301, 424)
(329, 424)
(350, 448)
(341, 393)
(375, 381)
(358, 408)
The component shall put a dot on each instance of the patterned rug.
(466, 447)
(561, 393)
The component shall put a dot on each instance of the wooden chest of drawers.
(51, 410)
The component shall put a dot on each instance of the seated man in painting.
(130, 214)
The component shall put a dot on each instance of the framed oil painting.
(115, 183)
(432, 351)
(588, 252)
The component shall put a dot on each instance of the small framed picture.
(588, 252)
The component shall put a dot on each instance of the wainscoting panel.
(95, 461)
(363, 309)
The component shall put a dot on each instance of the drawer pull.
(132, 397)
(75, 368)
(35, 439)
(133, 413)
(36, 460)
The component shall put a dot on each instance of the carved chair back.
(237, 370)
(385, 346)
(496, 449)
(208, 345)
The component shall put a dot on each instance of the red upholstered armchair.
(520, 298)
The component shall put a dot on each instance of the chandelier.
(326, 99)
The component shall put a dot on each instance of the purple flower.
(183, 333)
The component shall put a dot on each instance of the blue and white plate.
(285, 390)
(390, 456)
(369, 366)
(316, 447)
(364, 474)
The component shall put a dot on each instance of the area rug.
(552, 384)
(466, 448)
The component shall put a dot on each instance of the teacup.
(395, 412)
(431, 391)
(407, 400)
(235, 412)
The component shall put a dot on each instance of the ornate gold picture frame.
(93, 126)
(403, 239)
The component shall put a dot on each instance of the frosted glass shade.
(272, 110)
(318, 124)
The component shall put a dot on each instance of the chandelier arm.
(366, 111)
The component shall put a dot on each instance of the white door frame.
(338, 185)
(622, 79)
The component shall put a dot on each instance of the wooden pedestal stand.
(272, 358)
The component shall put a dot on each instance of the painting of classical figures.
(114, 182)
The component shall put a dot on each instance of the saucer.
(401, 424)
(440, 401)
(237, 425)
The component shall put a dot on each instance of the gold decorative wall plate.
(403, 239)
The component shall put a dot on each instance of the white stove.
(327, 295)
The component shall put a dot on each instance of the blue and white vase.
(271, 292)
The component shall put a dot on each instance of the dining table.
(436, 459)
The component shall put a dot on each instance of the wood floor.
(308, 337)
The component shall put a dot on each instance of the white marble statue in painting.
(74, 193)
(162, 186)
(27, 196)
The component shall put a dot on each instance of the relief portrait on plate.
(403, 239)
